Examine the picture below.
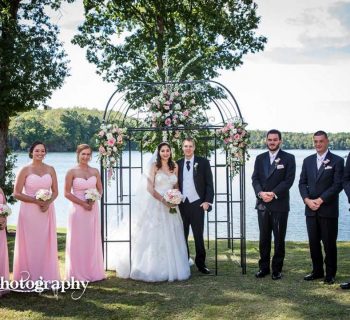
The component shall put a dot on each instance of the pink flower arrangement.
(235, 140)
(167, 122)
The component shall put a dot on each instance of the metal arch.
(224, 107)
(154, 84)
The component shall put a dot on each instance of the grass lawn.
(230, 295)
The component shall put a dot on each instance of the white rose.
(109, 135)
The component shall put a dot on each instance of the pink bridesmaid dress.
(36, 239)
(4, 258)
(84, 258)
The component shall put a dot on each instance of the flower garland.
(111, 142)
(171, 108)
(235, 139)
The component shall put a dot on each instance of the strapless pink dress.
(36, 238)
(84, 258)
(4, 258)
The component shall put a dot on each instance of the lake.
(296, 223)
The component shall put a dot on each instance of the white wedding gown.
(158, 247)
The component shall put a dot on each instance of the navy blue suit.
(277, 177)
(322, 224)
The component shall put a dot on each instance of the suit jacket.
(346, 182)
(278, 180)
(325, 183)
(202, 177)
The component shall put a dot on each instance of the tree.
(32, 64)
(127, 39)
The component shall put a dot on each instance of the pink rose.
(236, 136)
(111, 142)
(166, 107)
(186, 113)
(168, 122)
(101, 150)
(101, 133)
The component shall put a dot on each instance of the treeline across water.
(63, 129)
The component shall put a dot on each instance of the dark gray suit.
(273, 216)
(322, 224)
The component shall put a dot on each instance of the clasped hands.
(313, 204)
(43, 205)
(267, 196)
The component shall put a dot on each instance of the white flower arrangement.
(92, 195)
(43, 195)
(5, 210)
(173, 197)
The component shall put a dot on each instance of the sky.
(299, 83)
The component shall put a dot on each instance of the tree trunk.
(160, 38)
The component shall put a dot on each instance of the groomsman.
(320, 184)
(273, 176)
(346, 185)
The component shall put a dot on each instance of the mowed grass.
(230, 295)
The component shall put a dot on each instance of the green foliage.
(298, 140)
(7, 181)
(32, 65)
(127, 39)
(61, 129)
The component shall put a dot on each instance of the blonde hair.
(80, 148)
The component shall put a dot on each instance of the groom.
(196, 184)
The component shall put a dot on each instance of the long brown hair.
(171, 163)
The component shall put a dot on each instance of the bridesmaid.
(84, 259)
(35, 252)
(4, 259)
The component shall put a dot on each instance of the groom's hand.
(205, 206)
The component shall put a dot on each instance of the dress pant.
(193, 215)
(276, 223)
(325, 230)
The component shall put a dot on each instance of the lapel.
(266, 164)
(321, 170)
(181, 166)
(274, 163)
(195, 167)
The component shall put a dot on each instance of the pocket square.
(328, 167)
(280, 166)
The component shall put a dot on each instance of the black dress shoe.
(313, 276)
(276, 275)
(329, 280)
(204, 270)
(262, 274)
(345, 285)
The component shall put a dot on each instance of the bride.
(159, 251)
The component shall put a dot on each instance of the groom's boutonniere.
(195, 166)
(325, 162)
(277, 161)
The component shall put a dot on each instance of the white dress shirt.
(320, 159)
(188, 187)
(273, 155)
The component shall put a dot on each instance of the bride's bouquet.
(173, 197)
(92, 195)
(5, 211)
(43, 195)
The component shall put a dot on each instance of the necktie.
(188, 165)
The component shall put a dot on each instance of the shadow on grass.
(230, 295)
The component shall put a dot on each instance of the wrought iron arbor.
(225, 223)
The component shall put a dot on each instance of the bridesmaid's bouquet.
(173, 197)
(92, 195)
(5, 211)
(43, 195)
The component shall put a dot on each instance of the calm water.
(296, 223)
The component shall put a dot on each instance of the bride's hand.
(169, 205)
